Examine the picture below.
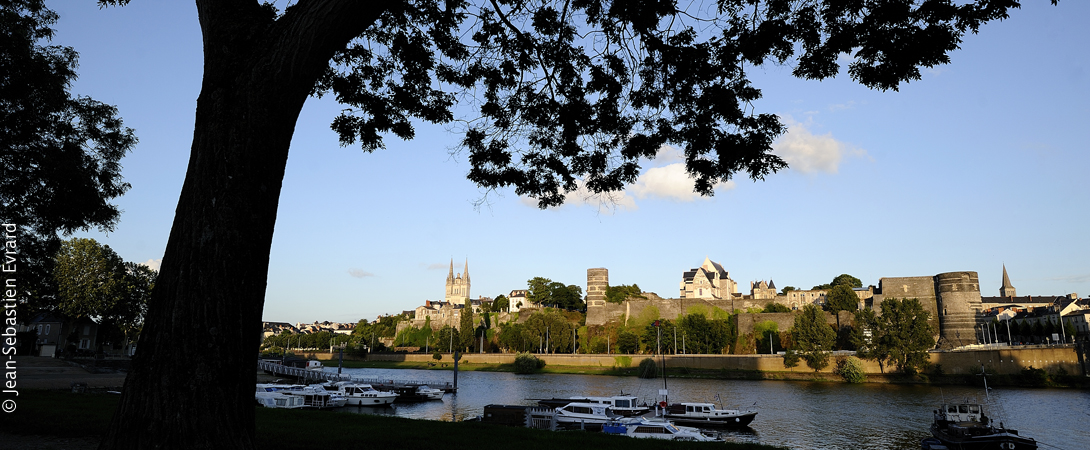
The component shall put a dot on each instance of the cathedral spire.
(465, 276)
(1007, 290)
(450, 275)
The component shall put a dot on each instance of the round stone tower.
(597, 282)
(958, 295)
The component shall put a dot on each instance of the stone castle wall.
(959, 307)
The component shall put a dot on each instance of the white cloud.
(437, 266)
(359, 273)
(670, 182)
(808, 153)
(153, 264)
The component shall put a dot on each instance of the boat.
(624, 405)
(272, 398)
(706, 415)
(361, 394)
(584, 416)
(315, 396)
(640, 427)
(964, 426)
(415, 392)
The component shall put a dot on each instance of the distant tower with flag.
(1007, 290)
(457, 285)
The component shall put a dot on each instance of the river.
(794, 414)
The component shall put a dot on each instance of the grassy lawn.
(88, 415)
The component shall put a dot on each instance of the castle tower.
(457, 285)
(959, 307)
(597, 282)
(1006, 291)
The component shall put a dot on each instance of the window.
(47, 328)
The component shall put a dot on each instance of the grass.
(88, 415)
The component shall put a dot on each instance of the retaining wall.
(1009, 361)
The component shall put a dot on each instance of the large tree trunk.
(192, 382)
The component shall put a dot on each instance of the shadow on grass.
(88, 415)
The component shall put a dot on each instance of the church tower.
(457, 285)
(1006, 291)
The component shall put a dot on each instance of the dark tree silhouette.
(59, 153)
(565, 93)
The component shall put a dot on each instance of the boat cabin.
(964, 412)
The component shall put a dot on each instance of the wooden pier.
(321, 376)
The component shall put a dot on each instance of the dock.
(321, 376)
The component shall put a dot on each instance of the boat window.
(952, 408)
(688, 408)
(963, 408)
(707, 409)
(622, 403)
(975, 409)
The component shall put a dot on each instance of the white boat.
(625, 405)
(313, 396)
(584, 416)
(362, 394)
(277, 399)
(429, 393)
(639, 427)
(705, 415)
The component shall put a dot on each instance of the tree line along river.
(794, 414)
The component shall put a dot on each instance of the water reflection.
(799, 415)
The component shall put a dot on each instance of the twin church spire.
(457, 285)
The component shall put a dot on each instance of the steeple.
(1007, 290)
(465, 276)
(450, 276)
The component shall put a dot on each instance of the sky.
(981, 163)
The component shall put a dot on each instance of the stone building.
(709, 281)
(759, 290)
(457, 286)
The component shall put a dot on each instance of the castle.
(953, 299)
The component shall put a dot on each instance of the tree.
(539, 291)
(59, 153)
(841, 298)
(94, 282)
(776, 308)
(569, 297)
(841, 280)
(628, 342)
(466, 327)
(846, 280)
(501, 303)
(787, 289)
(901, 336)
(618, 294)
(567, 96)
(813, 337)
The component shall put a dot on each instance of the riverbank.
(1033, 377)
(85, 417)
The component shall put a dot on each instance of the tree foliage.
(776, 308)
(59, 152)
(813, 337)
(841, 298)
(501, 303)
(94, 282)
(559, 96)
(900, 336)
(620, 293)
(628, 342)
(547, 292)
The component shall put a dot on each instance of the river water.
(794, 414)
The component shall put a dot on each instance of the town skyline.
(976, 165)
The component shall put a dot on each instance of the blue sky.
(981, 163)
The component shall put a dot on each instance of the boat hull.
(737, 421)
(1000, 440)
